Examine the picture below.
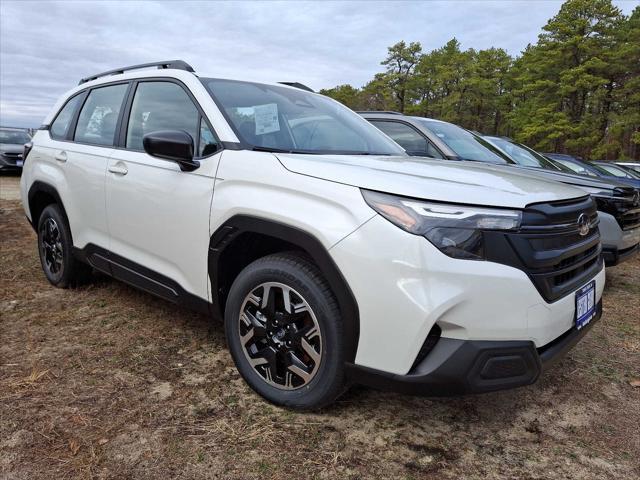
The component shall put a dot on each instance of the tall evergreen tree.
(400, 62)
(576, 90)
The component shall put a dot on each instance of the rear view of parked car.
(12, 142)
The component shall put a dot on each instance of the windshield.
(464, 144)
(273, 118)
(14, 137)
(575, 167)
(557, 164)
(617, 171)
(521, 154)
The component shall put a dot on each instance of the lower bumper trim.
(613, 256)
(456, 367)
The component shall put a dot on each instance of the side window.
(408, 138)
(99, 115)
(160, 106)
(208, 141)
(61, 124)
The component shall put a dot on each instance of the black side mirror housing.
(174, 145)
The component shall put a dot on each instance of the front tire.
(284, 332)
(56, 250)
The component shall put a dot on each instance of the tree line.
(577, 90)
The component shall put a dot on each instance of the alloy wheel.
(280, 336)
(51, 246)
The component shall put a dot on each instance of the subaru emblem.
(583, 224)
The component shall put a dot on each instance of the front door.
(157, 214)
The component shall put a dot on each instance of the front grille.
(12, 157)
(549, 248)
(629, 219)
(624, 205)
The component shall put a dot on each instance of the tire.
(55, 248)
(309, 331)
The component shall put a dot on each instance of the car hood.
(569, 178)
(11, 148)
(441, 180)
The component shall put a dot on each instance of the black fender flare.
(37, 187)
(239, 224)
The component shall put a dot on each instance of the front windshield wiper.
(485, 161)
(275, 150)
(365, 153)
(311, 152)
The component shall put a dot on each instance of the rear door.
(82, 139)
(158, 215)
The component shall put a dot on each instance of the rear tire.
(284, 332)
(55, 247)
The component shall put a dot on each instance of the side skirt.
(140, 277)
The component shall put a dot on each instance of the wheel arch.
(243, 238)
(40, 196)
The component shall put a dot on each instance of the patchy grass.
(108, 382)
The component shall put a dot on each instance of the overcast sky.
(46, 47)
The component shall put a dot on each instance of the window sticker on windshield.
(266, 118)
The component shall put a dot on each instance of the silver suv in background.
(618, 203)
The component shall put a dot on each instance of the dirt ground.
(105, 381)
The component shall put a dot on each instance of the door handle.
(118, 169)
(61, 156)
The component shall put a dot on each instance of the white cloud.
(46, 47)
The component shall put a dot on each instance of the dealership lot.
(106, 381)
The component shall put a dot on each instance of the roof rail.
(391, 112)
(175, 64)
(14, 128)
(297, 85)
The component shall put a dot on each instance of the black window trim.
(71, 133)
(427, 139)
(122, 132)
(48, 127)
(120, 137)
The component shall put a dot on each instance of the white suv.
(332, 256)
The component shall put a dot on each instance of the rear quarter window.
(60, 125)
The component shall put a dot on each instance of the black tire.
(298, 273)
(60, 267)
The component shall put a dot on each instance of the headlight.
(456, 230)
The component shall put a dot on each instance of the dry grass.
(108, 382)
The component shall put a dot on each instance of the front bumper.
(613, 256)
(457, 367)
(618, 245)
(404, 286)
(7, 163)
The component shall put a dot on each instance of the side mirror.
(175, 145)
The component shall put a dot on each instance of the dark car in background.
(635, 166)
(619, 171)
(618, 204)
(582, 167)
(12, 141)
